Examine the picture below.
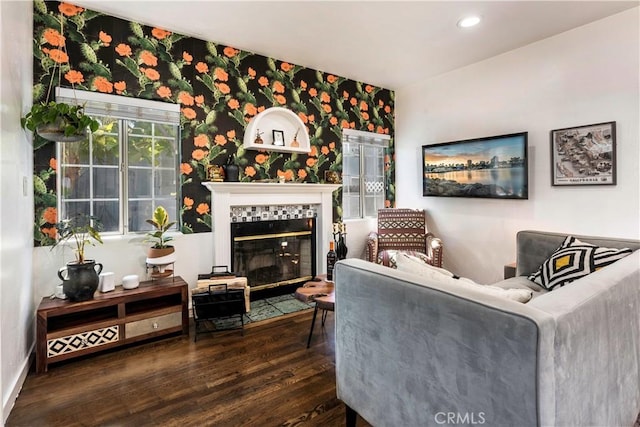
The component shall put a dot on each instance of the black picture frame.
(494, 167)
(584, 155)
(278, 137)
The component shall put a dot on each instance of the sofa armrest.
(372, 247)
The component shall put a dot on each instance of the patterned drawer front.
(152, 324)
(81, 341)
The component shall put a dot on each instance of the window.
(124, 170)
(363, 189)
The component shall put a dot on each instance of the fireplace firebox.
(275, 253)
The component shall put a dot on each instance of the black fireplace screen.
(274, 253)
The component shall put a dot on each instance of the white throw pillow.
(440, 276)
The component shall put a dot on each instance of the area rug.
(264, 309)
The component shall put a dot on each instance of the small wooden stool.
(322, 293)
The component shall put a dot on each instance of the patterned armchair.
(402, 230)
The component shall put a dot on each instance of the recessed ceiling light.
(469, 21)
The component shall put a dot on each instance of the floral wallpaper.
(219, 88)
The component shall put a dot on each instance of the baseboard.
(7, 405)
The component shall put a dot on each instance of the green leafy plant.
(80, 230)
(70, 119)
(160, 222)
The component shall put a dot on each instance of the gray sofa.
(409, 353)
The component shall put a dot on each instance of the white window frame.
(363, 138)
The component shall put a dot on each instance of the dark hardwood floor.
(266, 378)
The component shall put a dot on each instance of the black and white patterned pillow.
(572, 260)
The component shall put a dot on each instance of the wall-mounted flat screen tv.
(491, 167)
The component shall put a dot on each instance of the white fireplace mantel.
(225, 195)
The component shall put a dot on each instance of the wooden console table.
(70, 329)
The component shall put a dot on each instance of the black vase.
(231, 173)
(81, 281)
(341, 248)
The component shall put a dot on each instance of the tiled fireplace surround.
(233, 201)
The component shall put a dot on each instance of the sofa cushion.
(572, 260)
(522, 282)
(439, 276)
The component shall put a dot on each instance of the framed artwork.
(278, 137)
(584, 155)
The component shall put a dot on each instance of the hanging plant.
(59, 122)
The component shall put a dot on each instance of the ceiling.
(384, 43)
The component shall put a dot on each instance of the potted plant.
(59, 121)
(161, 254)
(81, 279)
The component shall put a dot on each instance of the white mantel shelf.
(225, 195)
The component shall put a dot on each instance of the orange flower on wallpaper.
(353, 101)
(120, 87)
(371, 127)
(152, 74)
(230, 52)
(51, 232)
(333, 120)
(263, 81)
(220, 140)
(287, 175)
(223, 88)
(344, 124)
(387, 109)
(233, 104)
(302, 174)
(185, 98)
(53, 163)
(250, 171)
(303, 84)
(332, 145)
(368, 88)
(105, 38)
(202, 68)
(160, 33)
(313, 91)
(69, 10)
(365, 115)
(185, 169)
(324, 97)
(221, 74)
(73, 76)
(379, 129)
(380, 102)
(102, 85)
(303, 117)
(198, 154)
(231, 134)
(331, 78)
(58, 56)
(311, 118)
(261, 158)
(364, 106)
(189, 113)
(188, 202)
(123, 49)
(199, 100)
(278, 87)
(50, 215)
(286, 67)
(281, 99)
(53, 37)
(148, 58)
(187, 58)
(250, 109)
(324, 150)
(164, 92)
(326, 108)
(251, 72)
(203, 208)
(201, 140)
(345, 94)
(352, 125)
(311, 161)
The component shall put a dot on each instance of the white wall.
(586, 75)
(17, 303)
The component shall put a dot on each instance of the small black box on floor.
(214, 303)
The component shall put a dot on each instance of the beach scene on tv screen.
(493, 167)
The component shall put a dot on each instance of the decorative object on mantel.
(340, 237)
(278, 137)
(584, 155)
(332, 177)
(161, 255)
(56, 121)
(81, 279)
(215, 173)
(231, 170)
(295, 142)
(258, 139)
